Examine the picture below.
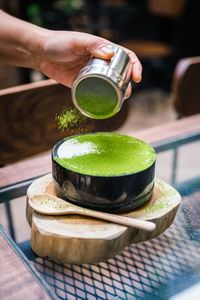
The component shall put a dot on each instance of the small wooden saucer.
(83, 240)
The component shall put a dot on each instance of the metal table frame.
(157, 265)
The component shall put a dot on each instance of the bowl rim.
(55, 147)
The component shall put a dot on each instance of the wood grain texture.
(28, 123)
(79, 239)
(42, 164)
(186, 87)
(16, 281)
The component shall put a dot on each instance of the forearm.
(58, 54)
(20, 42)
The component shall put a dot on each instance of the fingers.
(100, 50)
(137, 72)
(137, 67)
(82, 44)
(128, 91)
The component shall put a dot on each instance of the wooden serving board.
(81, 240)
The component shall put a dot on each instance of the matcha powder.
(71, 118)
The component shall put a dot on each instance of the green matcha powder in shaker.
(101, 86)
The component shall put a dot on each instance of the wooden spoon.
(52, 205)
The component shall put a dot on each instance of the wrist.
(36, 41)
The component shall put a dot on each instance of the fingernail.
(137, 80)
(137, 75)
(106, 50)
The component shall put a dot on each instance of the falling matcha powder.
(70, 119)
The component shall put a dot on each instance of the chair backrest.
(27, 123)
(186, 86)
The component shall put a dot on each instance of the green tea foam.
(105, 154)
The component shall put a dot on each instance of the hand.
(64, 53)
(58, 54)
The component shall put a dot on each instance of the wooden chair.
(186, 86)
(185, 94)
(27, 122)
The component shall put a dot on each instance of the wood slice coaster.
(83, 240)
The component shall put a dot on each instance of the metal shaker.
(102, 85)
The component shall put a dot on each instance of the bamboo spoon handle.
(45, 204)
(136, 223)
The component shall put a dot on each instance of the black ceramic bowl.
(104, 193)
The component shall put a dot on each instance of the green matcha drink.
(105, 154)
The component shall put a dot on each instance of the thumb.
(100, 50)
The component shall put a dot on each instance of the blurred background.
(160, 32)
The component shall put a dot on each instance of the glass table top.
(160, 268)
